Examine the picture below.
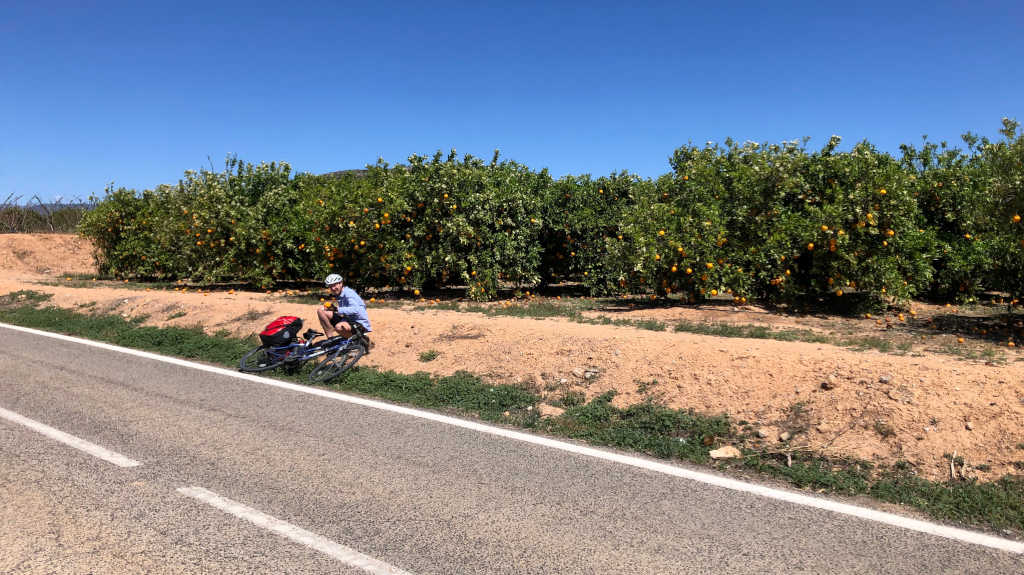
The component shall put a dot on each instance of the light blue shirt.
(353, 308)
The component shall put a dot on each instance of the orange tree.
(755, 188)
(864, 231)
(819, 226)
(1003, 163)
(472, 223)
(687, 246)
(357, 228)
(581, 217)
(239, 225)
(951, 189)
(121, 234)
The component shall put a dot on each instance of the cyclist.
(347, 311)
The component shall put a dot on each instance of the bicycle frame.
(293, 355)
(299, 352)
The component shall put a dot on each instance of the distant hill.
(358, 174)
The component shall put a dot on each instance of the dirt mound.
(45, 254)
(917, 406)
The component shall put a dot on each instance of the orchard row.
(766, 222)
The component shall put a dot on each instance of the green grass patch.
(752, 331)
(190, 343)
(429, 355)
(94, 281)
(647, 427)
(570, 399)
(861, 343)
(23, 298)
(443, 306)
(972, 353)
(644, 427)
(571, 310)
(997, 504)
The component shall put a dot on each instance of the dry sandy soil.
(916, 406)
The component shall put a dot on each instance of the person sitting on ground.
(346, 312)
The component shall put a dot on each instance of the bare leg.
(324, 315)
(343, 328)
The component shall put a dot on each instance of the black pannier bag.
(281, 331)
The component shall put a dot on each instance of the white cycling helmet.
(332, 279)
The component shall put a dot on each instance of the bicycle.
(339, 353)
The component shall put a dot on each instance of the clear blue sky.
(137, 92)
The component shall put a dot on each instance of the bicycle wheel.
(337, 363)
(260, 359)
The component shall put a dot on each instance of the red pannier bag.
(281, 331)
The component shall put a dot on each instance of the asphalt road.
(357, 485)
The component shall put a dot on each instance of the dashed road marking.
(68, 439)
(335, 550)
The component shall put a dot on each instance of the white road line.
(955, 533)
(68, 439)
(338, 551)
